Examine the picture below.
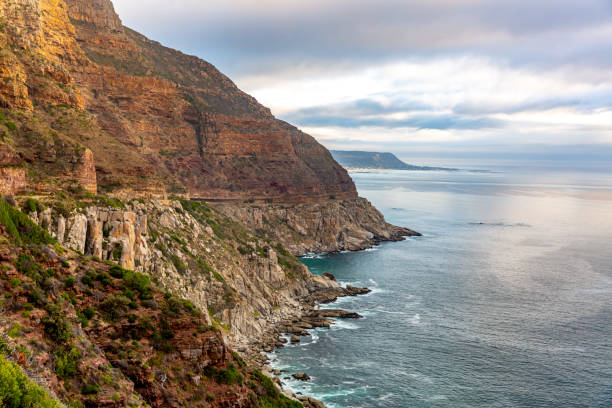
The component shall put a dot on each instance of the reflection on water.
(506, 301)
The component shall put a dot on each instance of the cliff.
(330, 226)
(89, 330)
(110, 142)
(157, 121)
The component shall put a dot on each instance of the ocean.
(506, 300)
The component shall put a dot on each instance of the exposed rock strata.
(331, 226)
(76, 54)
(250, 292)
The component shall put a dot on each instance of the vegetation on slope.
(106, 335)
(18, 391)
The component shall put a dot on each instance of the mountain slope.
(156, 120)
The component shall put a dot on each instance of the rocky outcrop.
(231, 274)
(76, 54)
(97, 12)
(322, 227)
(86, 172)
(12, 180)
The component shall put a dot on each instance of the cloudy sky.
(430, 80)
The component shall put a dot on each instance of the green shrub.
(117, 272)
(229, 375)
(117, 251)
(114, 307)
(89, 313)
(178, 264)
(15, 331)
(69, 282)
(15, 282)
(89, 277)
(31, 205)
(29, 267)
(104, 278)
(138, 282)
(56, 324)
(67, 360)
(270, 397)
(17, 391)
(90, 389)
(21, 228)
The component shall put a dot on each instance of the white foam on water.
(436, 398)
(421, 377)
(343, 325)
(372, 282)
(380, 309)
(416, 319)
(315, 255)
(384, 397)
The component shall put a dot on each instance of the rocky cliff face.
(156, 120)
(330, 226)
(242, 280)
(97, 335)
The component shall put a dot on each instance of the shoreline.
(291, 331)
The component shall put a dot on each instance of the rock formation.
(329, 226)
(121, 139)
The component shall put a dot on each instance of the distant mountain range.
(376, 160)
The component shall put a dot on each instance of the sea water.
(506, 300)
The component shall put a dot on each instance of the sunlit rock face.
(161, 121)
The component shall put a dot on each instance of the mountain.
(374, 160)
(155, 120)
(150, 217)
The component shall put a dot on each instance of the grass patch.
(21, 228)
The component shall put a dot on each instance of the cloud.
(408, 73)
(240, 34)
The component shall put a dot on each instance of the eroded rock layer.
(156, 120)
(329, 226)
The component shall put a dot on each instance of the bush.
(56, 324)
(178, 264)
(114, 307)
(31, 205)
(67, 360)
(117, 272)
(138, 282)
(229, 376)
(88, 278)
(69, 282)
(269, 396)
(90, 389)
(29, 267)
(17, 391)
(21, 228)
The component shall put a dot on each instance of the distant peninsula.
(376, 160)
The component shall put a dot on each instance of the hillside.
(121, 285)
(374, 160)
(155, 120)
(97, 335)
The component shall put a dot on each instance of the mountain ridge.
(357, 159)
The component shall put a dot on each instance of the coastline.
(312, 317)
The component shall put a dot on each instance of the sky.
(429, 80)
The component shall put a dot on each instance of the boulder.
(329, 276)
(301, 376)
(354, 291)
